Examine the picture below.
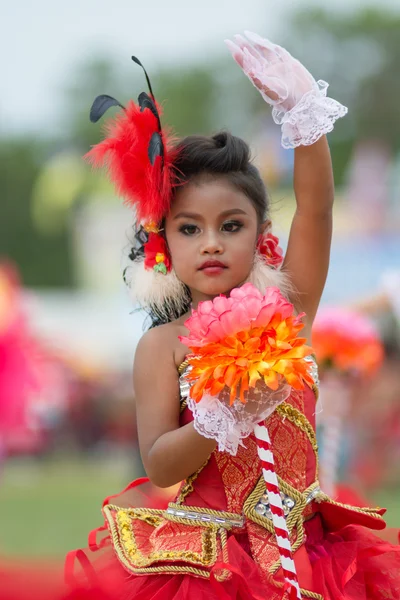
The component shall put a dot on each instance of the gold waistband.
(207, 517)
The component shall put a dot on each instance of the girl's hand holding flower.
(246, 357)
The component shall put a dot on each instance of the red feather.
(144, 186)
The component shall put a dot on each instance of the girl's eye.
(232, 226)
(188, 229)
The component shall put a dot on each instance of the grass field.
(47, 510)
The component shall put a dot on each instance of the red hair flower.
(156, 254)
(268, 247)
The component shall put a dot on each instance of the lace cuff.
(311, 118)
(214, 420)
(229, 425)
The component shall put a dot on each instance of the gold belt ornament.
(205, 517)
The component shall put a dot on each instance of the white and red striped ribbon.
(276, 506)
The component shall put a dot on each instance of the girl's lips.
(215, 270)
(212, 263)
(212, 267)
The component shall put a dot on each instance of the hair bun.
(220, 139)
(233, 152)
(220, 154)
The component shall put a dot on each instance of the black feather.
(137, 61)
(156, 147)
(141, 236)
(100, 105)
(145, 101)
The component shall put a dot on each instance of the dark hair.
(197, 157)
(222, 155)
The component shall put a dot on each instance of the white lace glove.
(229, 425)
(300, 104)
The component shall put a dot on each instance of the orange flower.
(246, 338)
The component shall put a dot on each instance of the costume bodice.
(226, 481)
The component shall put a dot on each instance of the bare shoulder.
(156, 379)
(162, 343)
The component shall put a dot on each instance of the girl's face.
(212, 232)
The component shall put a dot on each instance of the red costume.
(216, 539)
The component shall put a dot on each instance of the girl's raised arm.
(308, 251)
(301, 107)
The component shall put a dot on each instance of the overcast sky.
(42, 40)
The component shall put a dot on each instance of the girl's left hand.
(281, 79)
(300, 104)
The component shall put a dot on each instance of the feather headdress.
(138, 154)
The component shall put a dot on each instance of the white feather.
(149, 289)
(263, 276)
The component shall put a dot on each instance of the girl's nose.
(211, 244)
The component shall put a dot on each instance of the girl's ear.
(265, 227)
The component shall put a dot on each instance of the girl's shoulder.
(162, 342)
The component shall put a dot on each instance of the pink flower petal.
(252, 306)
(264, 316)
(215, 331)
(234, 321)
(222, 304)
(205, 308)
(247, 289)
(194, 326)
(229, 322)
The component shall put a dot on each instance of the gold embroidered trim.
(295, 515)
(223, 574)
(181, 370)
(166, 570)
(295, 416)
(304, 593)
(372, 512)
(187, 487)
(309, 594)
(226, 521)
(183, 366)
(125, 545)
(294, 521)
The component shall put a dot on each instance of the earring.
(268, 247)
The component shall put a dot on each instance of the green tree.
(43, 261)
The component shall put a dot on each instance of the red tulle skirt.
(350, 564)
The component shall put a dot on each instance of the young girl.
(204, 229)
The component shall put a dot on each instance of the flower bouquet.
(245, 339)
(245, 357)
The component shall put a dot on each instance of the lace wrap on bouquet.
(214, 418)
